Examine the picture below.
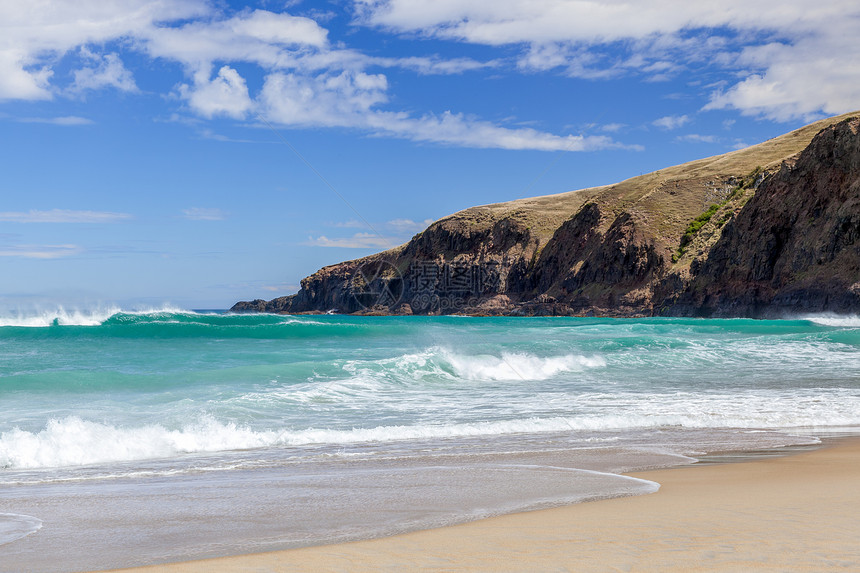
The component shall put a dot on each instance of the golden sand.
(795, 513)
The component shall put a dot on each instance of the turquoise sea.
(148, 436)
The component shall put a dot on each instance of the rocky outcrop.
(756, 232)
(795, 246)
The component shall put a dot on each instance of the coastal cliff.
(763, 231)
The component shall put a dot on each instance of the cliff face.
(782, 234)
(795, 246)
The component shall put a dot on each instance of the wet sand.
(794, 513)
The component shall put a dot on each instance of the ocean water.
(142, 437)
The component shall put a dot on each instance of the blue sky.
(197, 152)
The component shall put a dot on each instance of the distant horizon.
(197, 153)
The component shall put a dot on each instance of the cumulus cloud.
(265, 38)
(784, 51)
(226, 94)
(671, 121)
(818, 73)
(307, 82)
(341, 100)
(19, 79)
(36, 33)
(106, 71)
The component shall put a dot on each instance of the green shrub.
(698, 223)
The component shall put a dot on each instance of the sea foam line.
(73, 441)
(14, 526)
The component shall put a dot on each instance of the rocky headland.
(766, 231)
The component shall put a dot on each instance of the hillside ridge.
(639, 247)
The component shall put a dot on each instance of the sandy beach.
(795, 513)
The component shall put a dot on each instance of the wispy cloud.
(671, 121)
(356, 241)
(66, 121)
(408, 225)
(784, 56)
(396, 232)
(697, 138)
(203, 214)
(62, 216)
(283, 287)
(40, 251)
(352, 99)
(612, 127)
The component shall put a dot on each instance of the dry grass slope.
(664, 201)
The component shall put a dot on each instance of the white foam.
(14, 526)
(843, 321)
(519, 365)
(443, 363)
(36, 318)
(73, 441)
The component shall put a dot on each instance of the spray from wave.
(839, 321)
(445, 364)
(60, 316)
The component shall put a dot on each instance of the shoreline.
(793, 512)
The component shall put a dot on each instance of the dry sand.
(795, 513)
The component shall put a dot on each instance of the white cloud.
(357, 241)
(226, 94)
(40, 251)
(284, 287)
(307, 82)
(697, 138)
(408, 225)
(458, 129)
(68, 120)
(108, 72)
(671, 121)
(16, 82)
(343, 100)
(265, 38)
(818, 73)
(351, 224)
(398, 231)
(613, 127)
(498, 22)
(349, 99)
(62, 216)
(36, 33)
(203, 214)
(796, 59)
